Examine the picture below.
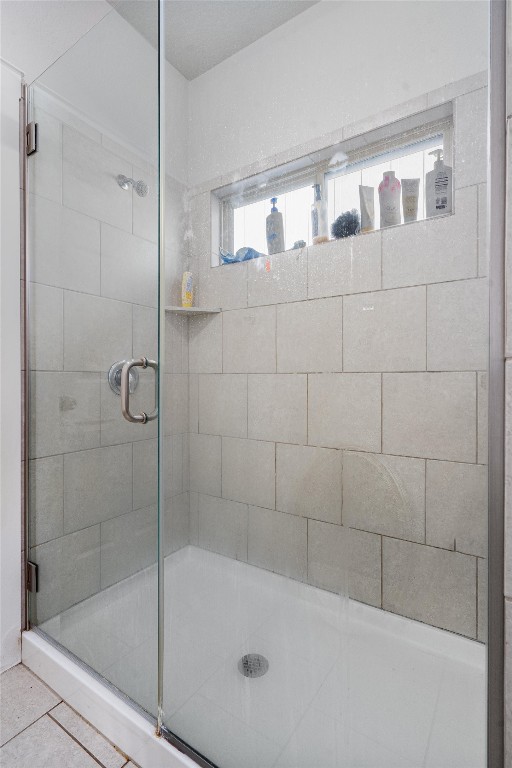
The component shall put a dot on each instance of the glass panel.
(93, 271)
(335, 446)
(320, 487)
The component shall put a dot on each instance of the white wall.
(111, 76)
(34, 34)
(334, 64)
(10, 383)
(93, 59)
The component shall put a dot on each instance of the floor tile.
(88, 736)
(24, 698)
(45, 745)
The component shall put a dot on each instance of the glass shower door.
(93, 307)
(329, 608)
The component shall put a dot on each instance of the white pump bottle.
(439, 187)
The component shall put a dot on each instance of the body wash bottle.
(438, 185)
(275, 229)
(319, 225)
(366, 201)
(410, 195)
(389, 199)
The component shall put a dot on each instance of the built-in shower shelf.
(192, 311)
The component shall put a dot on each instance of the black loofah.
(346, 225)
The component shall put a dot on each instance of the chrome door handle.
(139, 418)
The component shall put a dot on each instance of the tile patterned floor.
(348, 686)
(38, 730)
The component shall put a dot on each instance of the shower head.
(140, 186)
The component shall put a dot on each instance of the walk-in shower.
(261, 514)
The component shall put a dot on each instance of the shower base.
(347, 686)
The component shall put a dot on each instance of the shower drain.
(253, 665)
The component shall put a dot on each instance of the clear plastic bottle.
(319, 225)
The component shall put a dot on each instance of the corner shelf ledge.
(192, 311)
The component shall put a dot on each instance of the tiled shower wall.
(93, 270)
(338, 403)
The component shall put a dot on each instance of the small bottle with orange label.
(187, 290)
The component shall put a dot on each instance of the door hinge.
(32, 577)
(31, 138)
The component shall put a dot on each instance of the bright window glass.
(343, 190)
(250, 220)
(342, 195)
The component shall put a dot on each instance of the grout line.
(221, 473)
(349, 449)
(222, 342)
(342, 477)
(100, 256)
(426, 327)
(425, 463)
(351, 527)
(476, 418)
(74, 738)
(61, 153)
(381, 250)
(275, 338)
(399, 287)
(307, 551)
(282, 373)
(63, 329)
(247, 406)
(29, 725)
(381, 572)
(342, 333)
(381, 412)
(307, 409)
(477, 618)
(275, 476)
(95, 295)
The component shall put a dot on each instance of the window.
(250, 220)
(412, 162)
(239, 210)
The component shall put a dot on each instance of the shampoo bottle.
(389, 199)
(319, 225)
(275, 229)
(187, 290)
(438, 191)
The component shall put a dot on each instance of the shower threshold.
(347, 685)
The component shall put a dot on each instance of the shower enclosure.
(263, 518)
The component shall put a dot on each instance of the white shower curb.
(106, 711)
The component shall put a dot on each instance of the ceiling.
(202, 33)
